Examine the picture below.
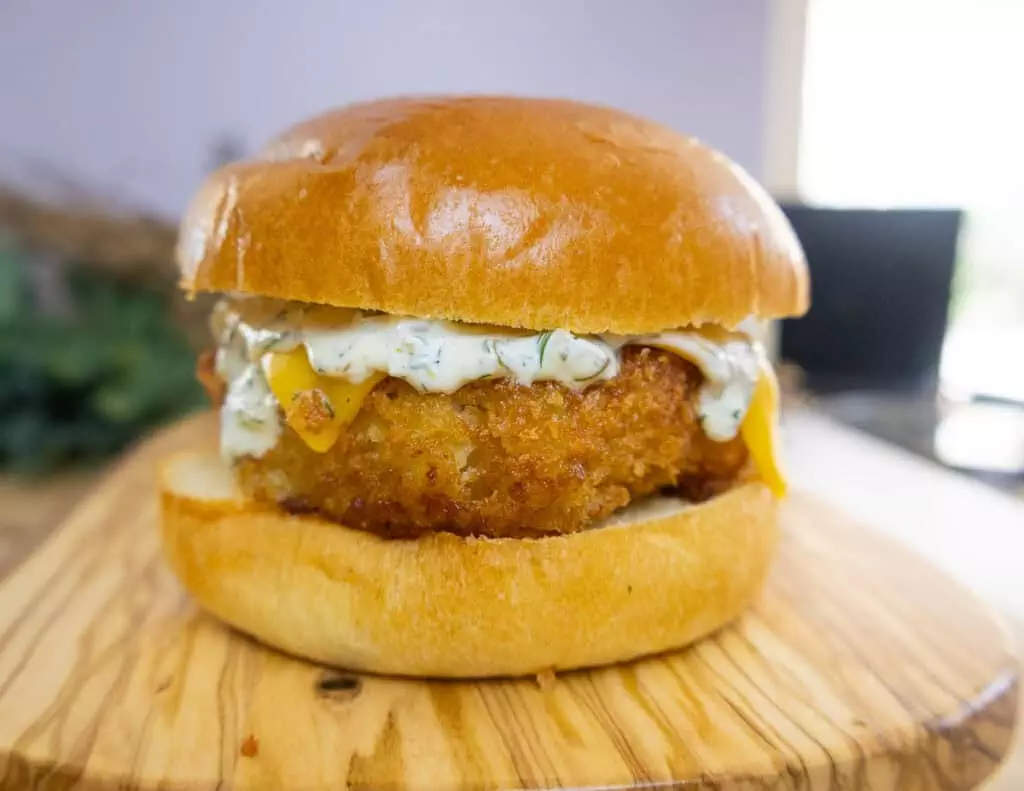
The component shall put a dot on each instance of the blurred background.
(889, 129)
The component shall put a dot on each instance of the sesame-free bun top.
(532, 213)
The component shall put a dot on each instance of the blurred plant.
(94, 348)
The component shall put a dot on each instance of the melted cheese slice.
(760, 429)
(316, 407)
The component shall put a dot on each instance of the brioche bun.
(656, 577)
(518, 212)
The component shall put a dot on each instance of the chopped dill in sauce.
(442, 356)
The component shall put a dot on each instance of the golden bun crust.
(650, 580)
(518, 212)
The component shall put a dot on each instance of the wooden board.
(860, 668)
(30, 508)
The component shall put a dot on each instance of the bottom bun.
(657, 576)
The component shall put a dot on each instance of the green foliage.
(78, 387)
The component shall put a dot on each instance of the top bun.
(529, 213)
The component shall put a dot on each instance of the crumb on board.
(546, 680)
(250, 746)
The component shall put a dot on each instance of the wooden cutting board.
(860, 668)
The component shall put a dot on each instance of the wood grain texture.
(31, 508)
(860, 668)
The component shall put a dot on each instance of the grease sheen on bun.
(653, 578)
(518, 212)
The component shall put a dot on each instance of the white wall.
(128, 98)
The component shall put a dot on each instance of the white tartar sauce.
(442, 356)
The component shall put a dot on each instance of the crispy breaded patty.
(499, 459)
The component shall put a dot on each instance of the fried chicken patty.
(504, 460)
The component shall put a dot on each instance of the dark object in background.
(880, 286)
(871, 344)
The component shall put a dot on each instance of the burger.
(490, 391)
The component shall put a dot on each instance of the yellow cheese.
(760, 429)
(316, 407)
